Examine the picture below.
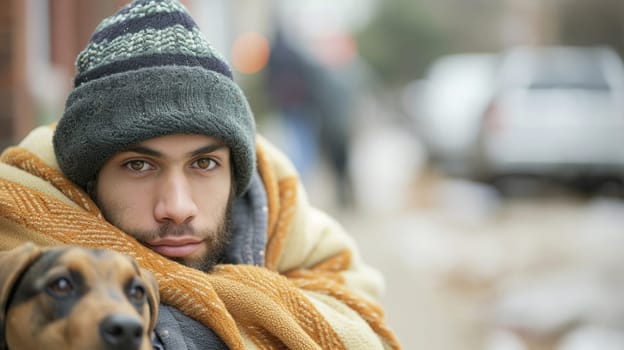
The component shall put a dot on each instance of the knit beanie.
(147, 72)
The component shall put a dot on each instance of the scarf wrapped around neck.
(245, 305)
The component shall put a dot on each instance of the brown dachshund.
(75, 298)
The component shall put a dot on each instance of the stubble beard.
(216, 241)
(216, 244)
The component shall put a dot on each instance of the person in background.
(156, 156)
(314, 105)
(288, 81)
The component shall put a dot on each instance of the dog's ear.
(12, 264)
(153, 296)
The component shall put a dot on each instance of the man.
(156, 157)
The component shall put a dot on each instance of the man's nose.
(175, 201)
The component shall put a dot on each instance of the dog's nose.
(121, 332)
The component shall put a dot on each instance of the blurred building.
(39, 39)
(12, 69)
(39, 42)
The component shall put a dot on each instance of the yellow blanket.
(313, 293)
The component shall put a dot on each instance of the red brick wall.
(71, 23)
(15, 109)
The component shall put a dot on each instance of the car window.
(571, 71)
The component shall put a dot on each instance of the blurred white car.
(448, 107)
(558, 112)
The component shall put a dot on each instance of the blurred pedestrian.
(313, 103)
(289, 88)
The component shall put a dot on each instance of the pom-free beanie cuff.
(109, 114)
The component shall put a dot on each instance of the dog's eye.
(136, 293)
(61, 287)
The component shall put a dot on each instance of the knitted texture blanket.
(319, 298)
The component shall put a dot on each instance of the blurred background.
(473, 148)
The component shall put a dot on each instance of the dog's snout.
(122, 332)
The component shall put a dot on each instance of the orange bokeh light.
(250, 52)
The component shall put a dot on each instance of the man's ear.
(13, 263)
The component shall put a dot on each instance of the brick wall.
(8, 24)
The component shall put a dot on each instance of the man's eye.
(137, 165)
(205, 164)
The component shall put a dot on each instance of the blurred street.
(455, 267)
(469, 268)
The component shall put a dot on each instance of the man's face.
(173, 194)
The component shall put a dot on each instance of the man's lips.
(176, 247)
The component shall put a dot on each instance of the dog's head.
(75, 298)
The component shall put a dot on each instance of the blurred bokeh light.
(250, 53)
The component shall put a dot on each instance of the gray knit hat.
(147, 72)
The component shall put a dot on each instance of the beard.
(216, 243)
(215, 240)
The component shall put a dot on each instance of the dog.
(75, 298)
